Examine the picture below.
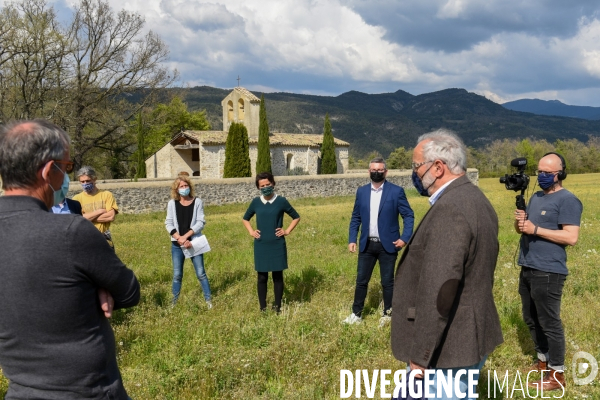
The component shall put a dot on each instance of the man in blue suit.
(376, 209)
(67, 206)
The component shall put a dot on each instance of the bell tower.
(243, 107)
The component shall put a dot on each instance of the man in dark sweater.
(59, 279)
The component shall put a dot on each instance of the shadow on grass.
(120, 316)
(515, 318)
(374, 300)
(300, 287)
(228, 279)
(161, 298)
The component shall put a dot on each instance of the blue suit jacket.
(74, 206)
(393, 203)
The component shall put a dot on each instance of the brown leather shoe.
(538, 365)
(552, 380)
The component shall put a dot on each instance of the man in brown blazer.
(444, 315)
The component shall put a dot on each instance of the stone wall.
(149, 195)
(296, 157)
(341, 155)
(212, 161)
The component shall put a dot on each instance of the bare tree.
(91, 75)
(7, 16)
(31, 56)
(111, 62)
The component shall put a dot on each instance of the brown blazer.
(444, 313)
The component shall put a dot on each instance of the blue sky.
(502, 49)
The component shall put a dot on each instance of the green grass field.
(232, 351)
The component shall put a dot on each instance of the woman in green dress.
(270, 252)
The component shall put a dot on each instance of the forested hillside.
(384, 122)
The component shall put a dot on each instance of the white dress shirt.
(439, 192)
(374, 210)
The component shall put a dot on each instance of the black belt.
(374, 239)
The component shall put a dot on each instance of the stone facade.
(288, 151)
(150, 195)
(213, 161)
(202, 153)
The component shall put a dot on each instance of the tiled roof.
(281, 139)
(252, 98)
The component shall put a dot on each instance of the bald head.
(25, 146)
(551, 163)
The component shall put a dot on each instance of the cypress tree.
(237, 154)
(141, 161)
(230, 152)
(245, 168)
(263, 159)
(328, 161)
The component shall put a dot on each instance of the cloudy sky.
(503, 49)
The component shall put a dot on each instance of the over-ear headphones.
(562, 175)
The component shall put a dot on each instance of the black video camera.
(517, 181)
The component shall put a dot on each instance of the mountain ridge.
(553, 107)
(385, 121)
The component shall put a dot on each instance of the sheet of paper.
(199, 246)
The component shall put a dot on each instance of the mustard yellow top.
(102, 199)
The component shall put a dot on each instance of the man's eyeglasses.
(546, 173)
(377, 170)
(416, 166)
(69, 165)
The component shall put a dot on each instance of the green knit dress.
(270, 251)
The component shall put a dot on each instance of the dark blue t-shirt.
(549, 211)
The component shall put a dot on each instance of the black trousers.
(366, 263)
(261, 286)
(541, 294)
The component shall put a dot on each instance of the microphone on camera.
(517, 162)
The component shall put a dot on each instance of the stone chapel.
(202, 153)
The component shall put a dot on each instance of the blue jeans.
(447, 373)
(541, 294)
(366, 263)
(198, 261)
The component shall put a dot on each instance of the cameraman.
(550, 224)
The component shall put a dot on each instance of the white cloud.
(588, 40)
(452, 9)
(312, 37)
(507, 48)
(202, 16)
(491, 96)
(591, 60)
